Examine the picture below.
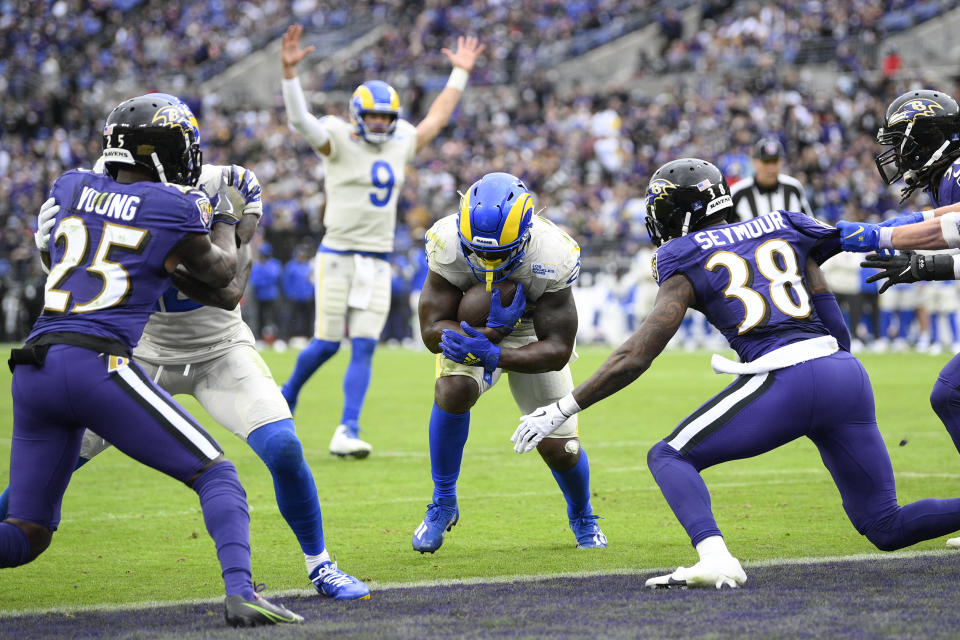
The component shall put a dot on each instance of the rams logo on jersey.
(910, 111)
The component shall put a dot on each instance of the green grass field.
(130, 534)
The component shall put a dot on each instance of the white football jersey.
(362, 183)
(184, 331)
(552, 262)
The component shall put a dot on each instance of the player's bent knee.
(456, 394)
(659, 455)
(560, 454)
(884, 538)
(282, 451)
(944, 398)
(38, 536)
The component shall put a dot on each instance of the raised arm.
(443, 105)
(308, 125)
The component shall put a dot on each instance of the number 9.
(379, 199)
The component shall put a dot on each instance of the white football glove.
(45, 221)
(536, 426)
(246, 184)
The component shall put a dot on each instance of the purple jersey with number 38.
(107, 252)
(749, 277)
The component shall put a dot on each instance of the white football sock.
(314, 561)
(712, 546)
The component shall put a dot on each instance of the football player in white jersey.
(365, 160)
(496, 236)
(199, 345)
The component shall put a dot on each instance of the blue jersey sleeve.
(826, 236)
(189, 211)
(666, 262)
(949, 189)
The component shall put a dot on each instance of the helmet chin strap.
(159, 167)
(686, 224)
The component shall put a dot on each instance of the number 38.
(787, 292)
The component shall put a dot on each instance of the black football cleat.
(240, 612)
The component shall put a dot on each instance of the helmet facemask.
(374, 97)
(493, 224)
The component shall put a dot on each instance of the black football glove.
(909, 267)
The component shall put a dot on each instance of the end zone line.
(450, 582)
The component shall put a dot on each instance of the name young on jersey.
(109, 204)
(731, 234)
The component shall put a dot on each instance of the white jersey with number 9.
(363, 182)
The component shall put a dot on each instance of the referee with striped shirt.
(768, 190)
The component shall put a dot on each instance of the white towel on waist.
(785, 356)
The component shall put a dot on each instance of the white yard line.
(381, 586)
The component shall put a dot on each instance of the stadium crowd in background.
(587, 155)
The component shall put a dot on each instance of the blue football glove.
(504, 319)
(859, 236)
(473, 349)
(907, 218)
(245, 182)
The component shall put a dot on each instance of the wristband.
(948, 226)
(458, 79)
(928, 214)
(568, 405)
(885, 237)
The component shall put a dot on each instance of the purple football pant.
(945, 398)
(112, 396)
(828, 400)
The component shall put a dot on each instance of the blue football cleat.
(589, 535)
(440, 518)
(336, 584)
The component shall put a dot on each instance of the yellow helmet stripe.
(465, 217)
(511, 228)
(365, 95)
(394, 99)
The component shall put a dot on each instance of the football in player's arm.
(496, 236)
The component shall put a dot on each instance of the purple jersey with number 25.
(107, 252)
(749, 278)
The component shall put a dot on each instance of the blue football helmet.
(374, 96)
(493, 223)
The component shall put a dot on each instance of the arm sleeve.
(831, 316)
(309, 126)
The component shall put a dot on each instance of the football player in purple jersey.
(114, 244)
(760, 284)
(922, 132)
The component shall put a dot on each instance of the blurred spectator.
(265, 276)
(298, 290)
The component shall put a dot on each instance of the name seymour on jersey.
(119, 206)
(722, 236)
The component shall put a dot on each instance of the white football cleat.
(345, 442)
(953, 543)
(713, 571)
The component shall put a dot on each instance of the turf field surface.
(131, 535)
